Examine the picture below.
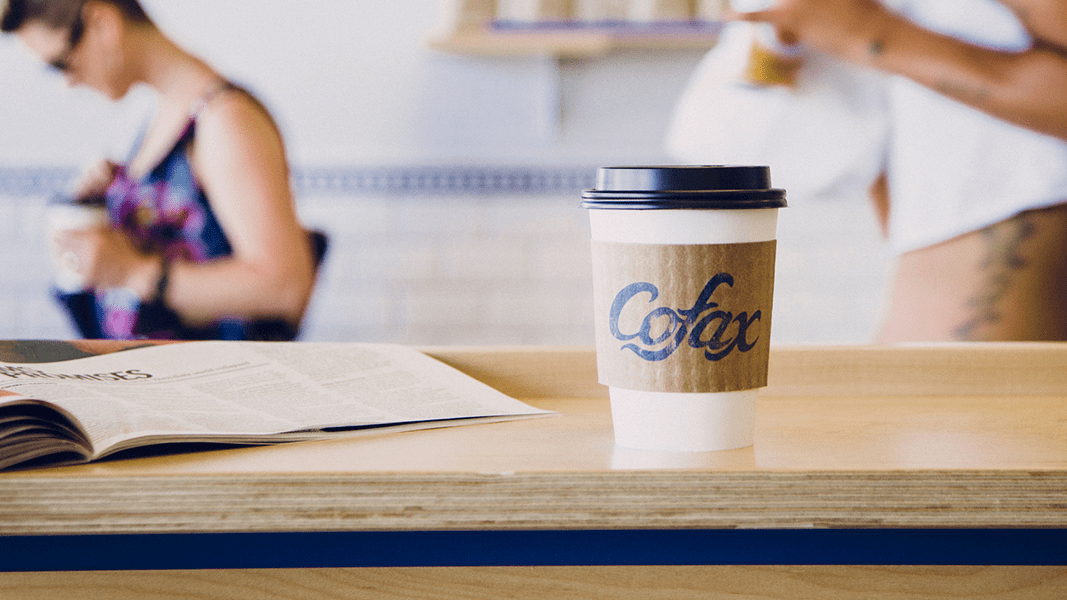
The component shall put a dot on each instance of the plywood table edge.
(535, 500)
(47, 502)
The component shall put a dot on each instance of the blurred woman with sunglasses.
(205, 241)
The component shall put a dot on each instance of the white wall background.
(357, 91)
(353, 81)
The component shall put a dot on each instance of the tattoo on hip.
(997, 274)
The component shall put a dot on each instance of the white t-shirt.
(952, 168)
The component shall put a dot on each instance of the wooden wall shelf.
(576, 40)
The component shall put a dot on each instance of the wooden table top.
(957, 436)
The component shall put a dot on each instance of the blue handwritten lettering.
(701, 326)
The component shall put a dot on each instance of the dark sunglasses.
(62, 62)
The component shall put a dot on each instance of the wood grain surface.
(551, 583)
(975, 440)
(968, 436)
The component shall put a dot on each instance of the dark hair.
(61, 14)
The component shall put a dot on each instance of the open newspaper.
(241, 393)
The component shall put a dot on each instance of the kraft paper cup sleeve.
(683, 318)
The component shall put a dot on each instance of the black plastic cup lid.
(684, 187)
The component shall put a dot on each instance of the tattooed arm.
(1028, 88)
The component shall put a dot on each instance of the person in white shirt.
(973, 199)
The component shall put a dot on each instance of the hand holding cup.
(72, 223)
(68, 225)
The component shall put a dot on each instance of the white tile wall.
(488, 268)
(453, 269)
(26, 309)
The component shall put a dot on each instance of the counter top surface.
(926, 436)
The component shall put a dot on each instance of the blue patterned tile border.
(22, 182)
(357, 180)
(434, 180)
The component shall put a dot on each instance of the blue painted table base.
(1040, 547)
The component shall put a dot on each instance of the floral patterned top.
(167, 212)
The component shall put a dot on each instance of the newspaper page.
(240, 392)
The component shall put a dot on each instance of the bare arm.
(240, 161)
(1027, 88)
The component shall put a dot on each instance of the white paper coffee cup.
(70, 216)
(683, 261)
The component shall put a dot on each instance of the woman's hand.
(849, 29)
(94, 180)
(105, 258)
(1025, 88)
